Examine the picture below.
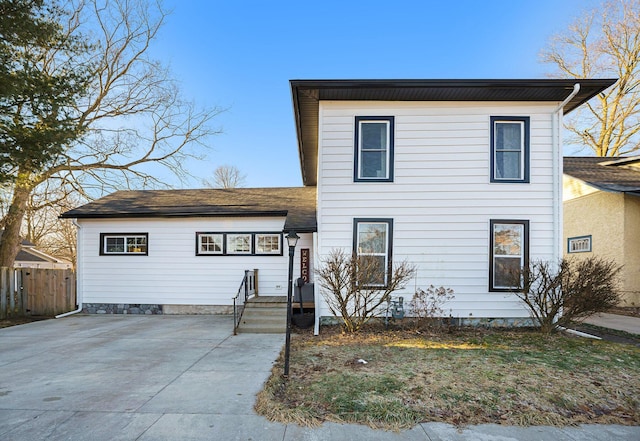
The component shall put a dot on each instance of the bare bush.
(427, 305)
(570, 292)
(354, 286)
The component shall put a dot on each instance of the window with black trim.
(372, 243)
(510, 149)
(580, 244)
(238, 243)
(373, 158)
(124, 244)
(509, 253)
(210, 243)
(268, 243)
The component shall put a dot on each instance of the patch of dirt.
(609, 334)
(15, 321)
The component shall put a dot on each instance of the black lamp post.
(292, 241)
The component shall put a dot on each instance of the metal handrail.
(248, 288)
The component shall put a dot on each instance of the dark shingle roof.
(608, 174)
(307, 94)
(25, 256)
(298, 204)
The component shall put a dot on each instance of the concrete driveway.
(177, 378)
(133, 377)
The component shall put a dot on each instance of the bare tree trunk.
(10, 241)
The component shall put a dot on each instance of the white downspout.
(556, 128)
(78, 273)
(556, 135)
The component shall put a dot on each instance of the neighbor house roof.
(608, 174)
(298, 204)
(307, 94)
(29, 253)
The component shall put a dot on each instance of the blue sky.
(240, 55)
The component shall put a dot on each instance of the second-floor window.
(373, 149)
(509, 149)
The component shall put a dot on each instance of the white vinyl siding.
(173, 273)
(441, 200)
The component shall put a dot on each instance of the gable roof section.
(307, 94)
(26, 256)
(298, 204)
(604, 173)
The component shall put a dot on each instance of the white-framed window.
(510, 149)
(374, 148)
(210, 243)
(124, 244)
(580, 244)
(239, 243)
(372, 242)
(268, 243)
(509, 253)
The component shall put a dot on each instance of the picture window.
(124, 244)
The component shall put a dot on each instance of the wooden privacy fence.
(36, 291)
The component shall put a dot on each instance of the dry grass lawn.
(461, 377)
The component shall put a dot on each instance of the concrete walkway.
(615, 321)
(176, 378)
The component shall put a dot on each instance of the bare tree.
(355, 287)
(226, 176)
(605, 42)
(573, 291)
(42, 224)
(129, 119)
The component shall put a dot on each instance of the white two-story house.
(461, 178)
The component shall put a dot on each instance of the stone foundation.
(121, 308)
(515, 322)
(197, 309)
(148, 309)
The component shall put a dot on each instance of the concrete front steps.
(264, 315)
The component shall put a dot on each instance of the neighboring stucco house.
(602, 215)
(460, 177)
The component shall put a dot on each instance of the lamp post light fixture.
(292, 241)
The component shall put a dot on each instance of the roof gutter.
(576, 89)
(556, 146)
